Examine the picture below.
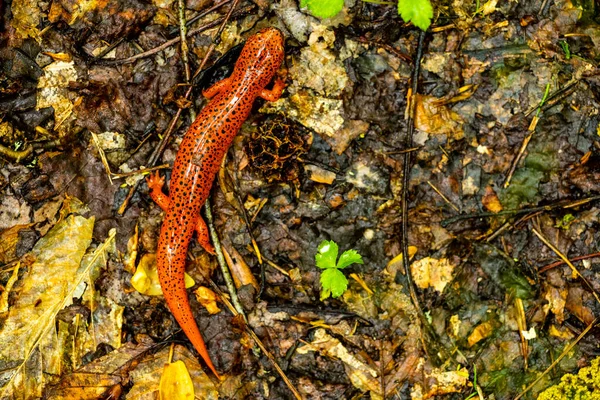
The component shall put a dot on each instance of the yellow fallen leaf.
(491, 201)
(432, 272)
(176, 383)
(208, 299)
(145, 279)
(480, 332)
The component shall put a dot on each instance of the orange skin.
(197, 162)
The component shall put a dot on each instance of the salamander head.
(262, 55)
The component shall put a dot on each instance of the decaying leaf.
(102, 375)
(46, 289)
(318, 174)
(8, 287)
(53, 92)
(480, 332)
(9, 239)
(26, 18)
(491, 201)
(431, 272)
(557, 299)
(240, 271)
(435, 118)
(441, 382)
(362, 376)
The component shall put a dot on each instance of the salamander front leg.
(202, 232)
(155, 183)
(216, 88)
(275, 93)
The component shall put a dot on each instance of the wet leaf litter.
(501, 202)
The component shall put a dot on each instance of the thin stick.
(567, 261)
(549, 207)
(557, 263)
(405, 182)
(527, 139)
(443, 197)
(222, 264)
(182, 37)
(562, 355)
(258, 342)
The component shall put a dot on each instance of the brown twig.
(258, 342)
(568, 262)
(560, 204)
(561, 262)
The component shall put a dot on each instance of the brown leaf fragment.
(432, 272)
(585, 176)
(319, 175)
(575, 304)
(557, 299)
(491, 201)
(480, 332)
(240, 271)
(441, 382)
(435, 118)
(100, 376)
(362, 375)
(9, 238)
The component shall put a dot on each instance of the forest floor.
(479, 160)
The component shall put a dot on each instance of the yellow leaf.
(145, 279)
(480, 332)
(176, 383)
(208, 299)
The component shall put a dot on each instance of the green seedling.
(419, 12)
(323, 8)
(333, 281)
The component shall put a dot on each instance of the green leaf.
(323, 8)
(419, 12)
(349, 257)
(327, 254)
(335, 281)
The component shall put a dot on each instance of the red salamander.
(197, 162)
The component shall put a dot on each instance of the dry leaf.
(100, 376)
(441, 382)
(480, 332)
(147, 375)
(318, 174)
(8, 287)
(362, 376)
(240, 271)
(435, 118)
(46, 289)
(9, 239)
(491, 201)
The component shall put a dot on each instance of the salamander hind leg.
(275, 93)
(155, 183)
(202, 232)
(216, 88)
